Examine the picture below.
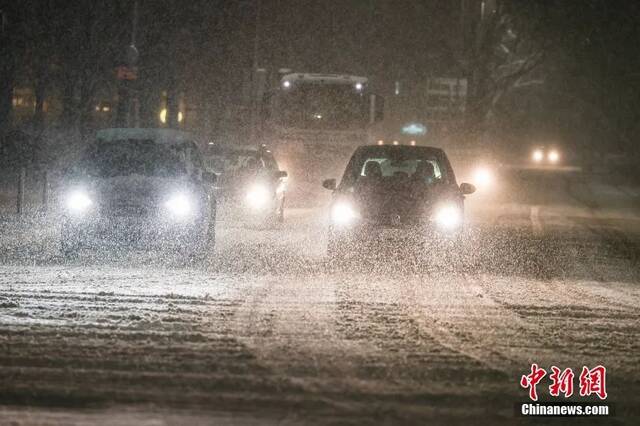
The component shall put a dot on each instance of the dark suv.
(394, 192)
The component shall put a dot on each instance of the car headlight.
(78, 202)
(448, 217)
(538, 155)
(343, 213)
(258, 196)
(553, 156)
(179, 205)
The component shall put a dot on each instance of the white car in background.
(251, 187)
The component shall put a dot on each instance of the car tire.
(69, 243)
(210, 238)
(280, 213)
(201, 248)
(336, 249)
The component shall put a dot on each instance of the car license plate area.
(128, 210)
(390, 234)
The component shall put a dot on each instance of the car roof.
(231, 149)
(372, 149)
(324, 78)
(251, 149)
(165, 136)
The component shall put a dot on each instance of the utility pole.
(255, 89)
(6, 74)
(127, 73)
(133, 59)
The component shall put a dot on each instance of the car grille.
(395, 220)
(126, 208)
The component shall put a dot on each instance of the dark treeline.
(563, 69)
(67, 53)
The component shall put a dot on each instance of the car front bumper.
(406, 234)
(138, 232)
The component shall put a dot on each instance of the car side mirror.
(281, 174)
(329, 184)
(209, 177)
(467, 188)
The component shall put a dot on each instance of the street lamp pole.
(6, 75)
(254, 74)
(127, 74)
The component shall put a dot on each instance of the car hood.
(136, 187)
(235, 185)
(134, 194)
(407, 203)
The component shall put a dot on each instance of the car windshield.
(132, 157)
(313, 106)
(397, 165)
(231, 162)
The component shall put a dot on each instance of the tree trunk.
(40, 93)
(124, 103)
(68, 101)
(7, 75)
(85, 105)
(172, 104)
(6, 93)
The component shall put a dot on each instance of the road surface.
(268, 332)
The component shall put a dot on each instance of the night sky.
(394, 39)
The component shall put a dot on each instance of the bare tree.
(504, 49)
(7, 68)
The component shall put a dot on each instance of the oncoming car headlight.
(553, 156)
(179, 205)
(78, 202)
(343, 213)
(448, 217)
(258, 196)
(537, 155)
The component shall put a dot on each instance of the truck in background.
(313, 122)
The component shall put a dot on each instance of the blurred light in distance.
(78, 202)
(342, 213)
(358, 86)
(286, 84)
(395, 142)
(412, 143)
(448, 217)
(537, 155)
(380, 142)
(553, 156)
(163, 116)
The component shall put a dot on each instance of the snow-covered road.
(268, 332)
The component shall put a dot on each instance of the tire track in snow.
(573, 325)
(121, 346)
(460, 315)
(382, 313)
(290, 326)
